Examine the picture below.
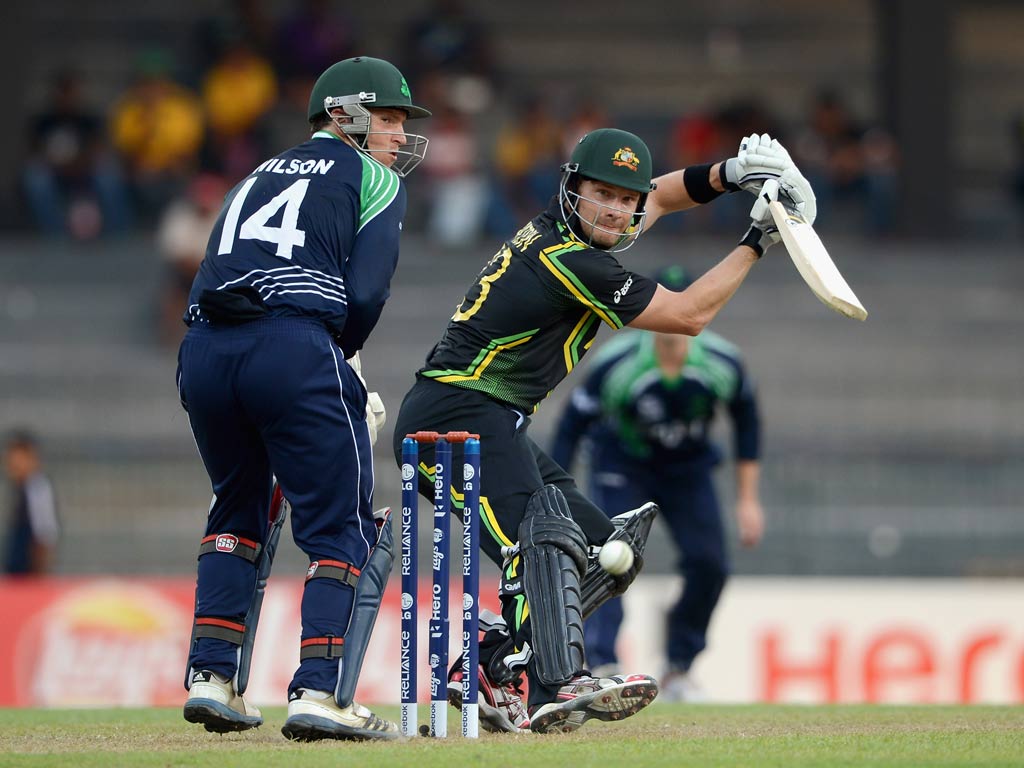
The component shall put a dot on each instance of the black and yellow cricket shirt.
(533, 312)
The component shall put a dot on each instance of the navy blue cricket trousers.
(690, 509)
(268, 398)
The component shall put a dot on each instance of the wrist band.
(697, 180)
(753, 240)
(730, 186)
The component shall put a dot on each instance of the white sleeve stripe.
(380, 187)
(375, 214)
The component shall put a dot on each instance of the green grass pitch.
(663, 735)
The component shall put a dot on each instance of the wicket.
(438, 627)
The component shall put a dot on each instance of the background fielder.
(646, 410)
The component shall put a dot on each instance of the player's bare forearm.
(749, 513)
(689, 312)
(748, 475)
(672, 195)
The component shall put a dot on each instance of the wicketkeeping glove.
(376, 416)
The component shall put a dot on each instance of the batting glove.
(798, 189)
(760, 157)
(763, 233)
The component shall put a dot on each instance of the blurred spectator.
(32, 529)
(157, 126)
(457, 188)
(181, 237)
(743, 117)
(848, 163)
(242, 20)
(702, 136)
(237, 92)
(71, 184)
(587, 115)
(283, 126)
(706, 136)
(313, 38)
(448, 46)
(527, 157)
(696, 137)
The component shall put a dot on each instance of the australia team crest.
(626, 158)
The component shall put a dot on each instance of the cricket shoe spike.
(315, 715)
(213, 702)
(501, 706)
(588, 698)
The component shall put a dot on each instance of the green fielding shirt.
(533, 312)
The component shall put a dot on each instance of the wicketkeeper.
(296, 274)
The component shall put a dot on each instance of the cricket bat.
(814, 264)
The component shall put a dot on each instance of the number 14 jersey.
(312, 233)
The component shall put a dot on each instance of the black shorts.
(512, 466)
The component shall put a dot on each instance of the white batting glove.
(764, 150)
(798, 189)
(760, 157)
(763, 233)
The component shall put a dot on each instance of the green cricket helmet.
(355, 86)
(613, 157)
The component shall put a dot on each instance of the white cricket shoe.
(315, 715)
(212, 701)
(680, 687)
(602, 698)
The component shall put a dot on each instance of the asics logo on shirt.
(624, 289)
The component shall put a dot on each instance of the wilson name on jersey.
(288, 240)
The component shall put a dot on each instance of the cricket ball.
(616, 557)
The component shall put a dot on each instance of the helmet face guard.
(569, 197)
(357, 85)
(410, 154)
